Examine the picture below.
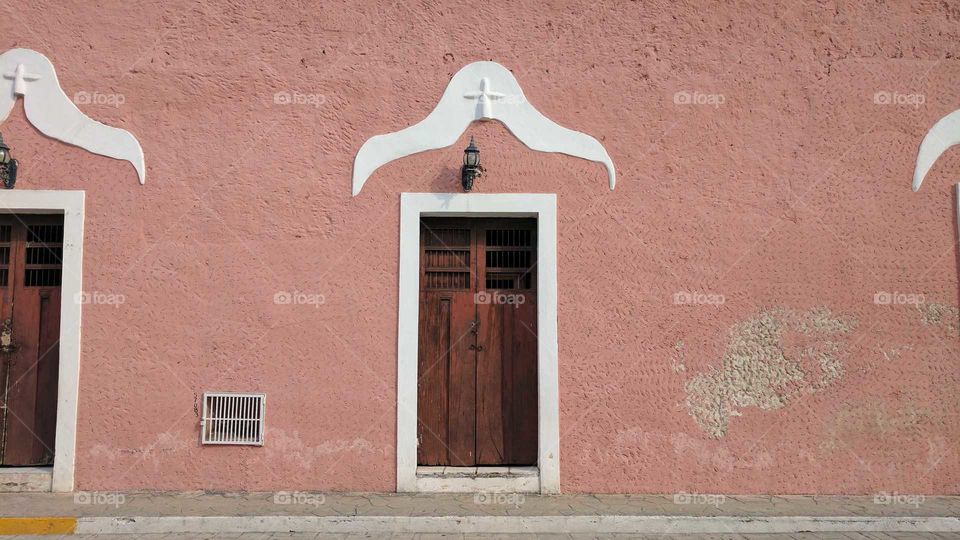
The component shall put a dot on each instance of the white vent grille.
(232, 418)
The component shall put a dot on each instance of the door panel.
(48, 375)
(22, 385)
(462, 383)
(507, 381)
(446, 362)
(432, 383)
(477, 389)
(491, 376)
(6, 312)
(522, 403)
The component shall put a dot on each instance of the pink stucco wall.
(788, 196)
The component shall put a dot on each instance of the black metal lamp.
(8, 166)
(471, 165)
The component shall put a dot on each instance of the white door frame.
(543, 207)
(71, 205)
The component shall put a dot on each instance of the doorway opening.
(41, 261)
(31, 255)
(477, 363)
(31, 271)
(494, 433)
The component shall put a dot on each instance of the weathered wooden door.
(477, 389)
(31, 251)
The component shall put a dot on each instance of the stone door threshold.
(478, 479)
(25, 479)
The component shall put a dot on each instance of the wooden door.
(477, 389)
(31, 251)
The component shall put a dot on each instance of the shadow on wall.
(448, 180)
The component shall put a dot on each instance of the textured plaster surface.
(760, 176)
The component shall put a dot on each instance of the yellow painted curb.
(38, 525)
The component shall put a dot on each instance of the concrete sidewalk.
(134, 513)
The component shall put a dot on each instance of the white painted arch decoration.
(944, 134)
(479, 91)
(27, 73)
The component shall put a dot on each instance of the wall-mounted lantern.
(471, 165)
(8, 166)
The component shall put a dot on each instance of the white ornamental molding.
(479, 91)
(944, 134)
(30, 74)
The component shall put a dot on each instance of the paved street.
(310, 536)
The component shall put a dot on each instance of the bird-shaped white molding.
(27, 73)
(479, 91)
(944, 134)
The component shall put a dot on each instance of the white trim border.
(71, 205)
(544, 208)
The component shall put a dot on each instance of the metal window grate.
(44, 256)
(230, 418)
(509, 258)
(446, 258)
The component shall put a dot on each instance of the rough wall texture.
(720, 324)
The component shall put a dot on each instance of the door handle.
(6, 337)
(477, 348)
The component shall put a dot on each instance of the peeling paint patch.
(290, 447)
(821, 321)
(677, 359)
(769, 360)
(894, 352)
(716, 455)
(856, 426)
(165, 443)
(941, 315)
